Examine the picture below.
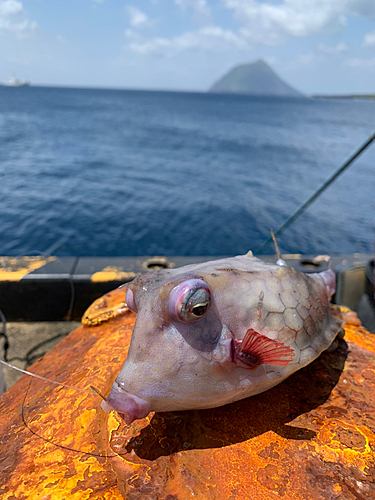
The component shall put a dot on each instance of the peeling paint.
(16, 268)
(107, 307)
(111, 273)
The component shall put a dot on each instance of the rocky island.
(255, 79)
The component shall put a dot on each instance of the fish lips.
(128, 406)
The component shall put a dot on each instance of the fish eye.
(189, 301)
(130, 302)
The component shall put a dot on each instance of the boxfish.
(213, 333)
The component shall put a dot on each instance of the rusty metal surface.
(311, 437)
(107, 307)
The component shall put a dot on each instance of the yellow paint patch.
(109, 306)
(112, 274)
(16, 268)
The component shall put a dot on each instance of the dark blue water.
(107, 172)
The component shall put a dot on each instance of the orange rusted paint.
(109, 306)
(311, 437)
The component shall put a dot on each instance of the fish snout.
(128, 406)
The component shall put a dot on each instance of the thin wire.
(58, 244)
(31, 356)
(318, 192)
(3, 333)
(50, 441)
(72, 291)
(43, 378)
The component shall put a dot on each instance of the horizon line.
(186, 91)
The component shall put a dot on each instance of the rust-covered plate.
(310, 437)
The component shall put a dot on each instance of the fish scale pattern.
(289, 307)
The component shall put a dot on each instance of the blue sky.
(325, 46)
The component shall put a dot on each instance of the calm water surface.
(110, 172)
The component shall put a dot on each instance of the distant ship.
(16, 82)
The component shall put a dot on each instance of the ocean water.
(113, 172)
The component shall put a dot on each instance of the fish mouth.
(129, 406)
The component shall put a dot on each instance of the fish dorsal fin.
(257, 349)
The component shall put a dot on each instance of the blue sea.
(91, 172)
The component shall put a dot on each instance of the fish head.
(180, 348)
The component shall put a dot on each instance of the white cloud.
(13, 19)
(369, 39)
(138, 19)
(320, 56)
(206, 38)
(200, 8)
(269, 23)
(60, 38)
(272, 61)
(9, 7)
(133, 35)
(336, 49)
(307, 59)
(361, 63)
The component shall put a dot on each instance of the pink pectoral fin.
(257, 349)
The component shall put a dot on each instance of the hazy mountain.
(256, 78)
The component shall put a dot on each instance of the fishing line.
(50, 441)
(44, 379)
(318, 192)
(72, 290)
(91, 392)
(32, 355)
(3, 333)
